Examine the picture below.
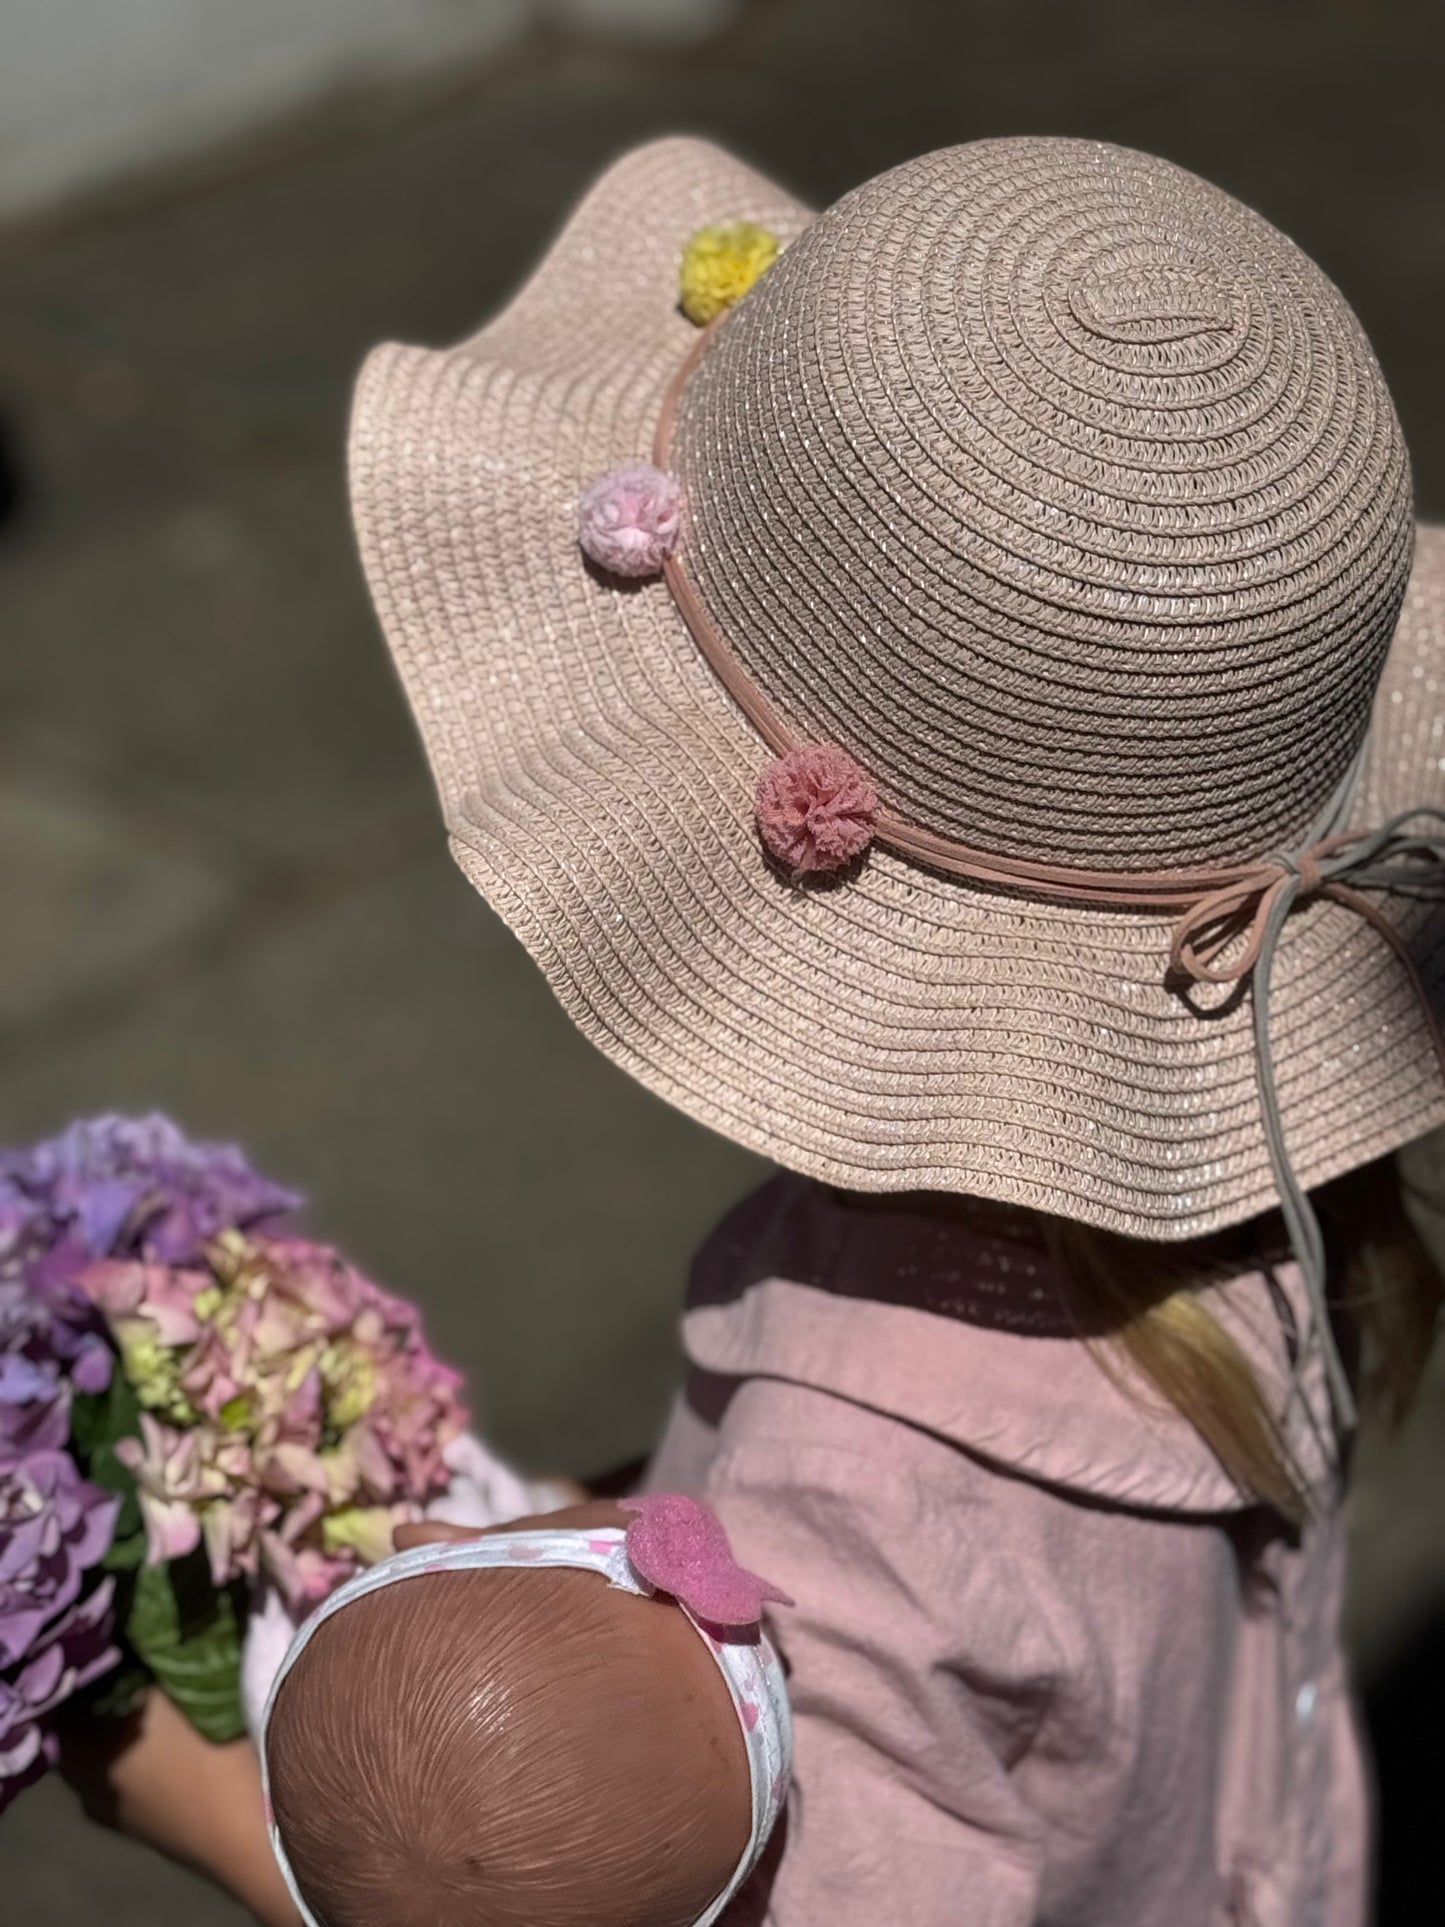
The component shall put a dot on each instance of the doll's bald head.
(508, 1748)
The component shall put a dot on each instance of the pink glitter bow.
(678, 1546)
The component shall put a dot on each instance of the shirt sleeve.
(904, 1807)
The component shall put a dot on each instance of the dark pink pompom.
(816, 808)
(627, 521)
(678, 1546)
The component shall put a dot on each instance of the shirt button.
(1305, 1701)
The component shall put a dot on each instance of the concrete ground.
(225, 884)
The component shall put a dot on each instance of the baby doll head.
(525, 1729)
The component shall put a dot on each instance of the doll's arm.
(155, 1779)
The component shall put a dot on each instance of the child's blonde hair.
(1137, 1302)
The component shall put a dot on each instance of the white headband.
(751, 1668)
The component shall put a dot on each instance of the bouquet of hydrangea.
(194, 1408)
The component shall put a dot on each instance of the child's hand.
(155, 1779)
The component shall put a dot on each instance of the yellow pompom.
(720, 264)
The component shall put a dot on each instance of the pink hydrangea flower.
(171, 1471)
(162, 1296)
(293, 1412)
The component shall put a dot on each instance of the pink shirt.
(1046, 1665)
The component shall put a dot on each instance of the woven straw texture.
(1066, 494)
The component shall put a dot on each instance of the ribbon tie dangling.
(1232, 933)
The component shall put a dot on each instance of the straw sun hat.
(1045, 569)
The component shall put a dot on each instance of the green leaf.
(177, 1627)
(189, 1634)
(98, 1421)
(127, 1554)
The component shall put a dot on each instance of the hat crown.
(1066, 494)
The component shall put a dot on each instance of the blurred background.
(225, 888)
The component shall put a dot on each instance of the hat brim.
(894, 1031)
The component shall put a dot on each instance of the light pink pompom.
(816, 808)
(627, 521)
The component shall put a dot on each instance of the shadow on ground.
(1405, 1717)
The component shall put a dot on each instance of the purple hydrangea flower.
(54, 1526)
(119, 1187)
(75, 1650)
(54, 1324)
(54, 1638)
(110, 1187)
(34, 1407)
